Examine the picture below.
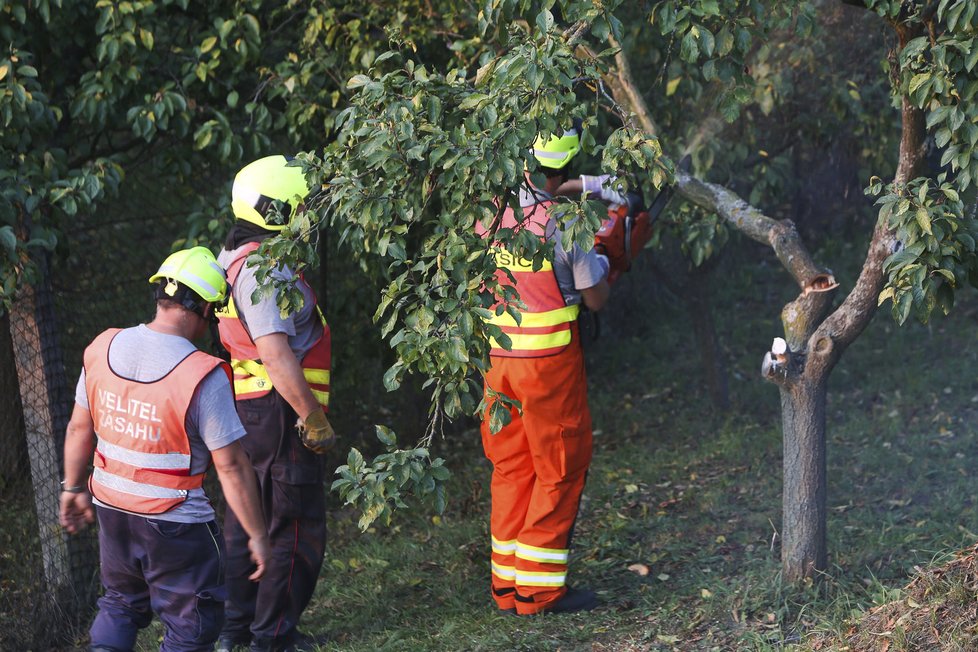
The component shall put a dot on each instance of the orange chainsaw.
(628, 227)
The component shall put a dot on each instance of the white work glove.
(595, 185)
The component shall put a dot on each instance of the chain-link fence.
(97, 279)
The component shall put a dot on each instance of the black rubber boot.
(574, 600)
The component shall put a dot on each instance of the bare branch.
(781, 236)
(576, 32)
(626, 82)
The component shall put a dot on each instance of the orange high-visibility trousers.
(540, 461)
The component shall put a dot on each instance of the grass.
(679, 530)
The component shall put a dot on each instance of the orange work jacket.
(143, 458)
(250, 377)
(545, 324)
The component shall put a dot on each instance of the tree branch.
(623, 89)
(802, 316)
(850, 319)
(626, 82)
(780, 235)
(575, 32)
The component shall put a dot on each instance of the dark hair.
(184, 298)
(562, 173)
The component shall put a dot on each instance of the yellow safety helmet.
(559, 150)
(262, 182)
(195, 268)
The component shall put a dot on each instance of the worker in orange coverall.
(541, 458)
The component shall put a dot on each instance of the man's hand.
(261, 550)
(317, 434)
(76, 511)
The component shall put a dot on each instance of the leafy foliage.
(376, 488)
(420, 159)
(416, 118)
(937, 247)
(929, 215)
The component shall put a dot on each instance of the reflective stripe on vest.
(544, 327)
(250, 377)
(143, 457)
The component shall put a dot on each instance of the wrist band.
(72, 490)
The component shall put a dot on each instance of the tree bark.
(814, 342)
(68, 562)
(803, 543)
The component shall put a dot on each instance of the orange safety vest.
(143, 458)
(545, 325)
(250, 377)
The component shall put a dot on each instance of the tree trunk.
(68, 562)
(814, 339)
(803, 543)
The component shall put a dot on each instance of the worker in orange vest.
(153, 412)
(541, 458)
(281, 365)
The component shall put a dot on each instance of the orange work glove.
(317, 435)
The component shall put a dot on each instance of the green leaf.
(391, 380)
(923, 219)
(357, 81)
(473, 100)
(689, 50)
(913, 48)
(887, 293)
(971, 59)
(918, 80)
(386, 436)
(8, 239)
(706, 41)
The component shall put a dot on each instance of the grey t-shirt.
(303, 328)
(145, 355)
(576, 269)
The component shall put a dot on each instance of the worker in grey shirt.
(151, 413)
(281, 365)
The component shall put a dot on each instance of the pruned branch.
(780, 235)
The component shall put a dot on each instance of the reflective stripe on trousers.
(540, 461)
